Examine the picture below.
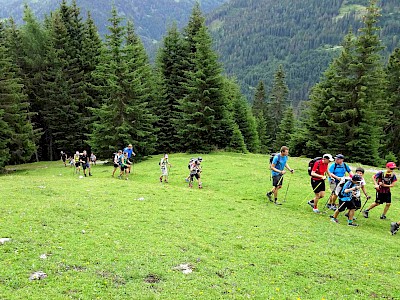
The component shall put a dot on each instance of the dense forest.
(254, 37)
(63, 88)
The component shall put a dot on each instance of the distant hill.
(151, 17)
(253, 37)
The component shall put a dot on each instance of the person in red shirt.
(318, 180)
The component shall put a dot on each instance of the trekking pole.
(312, 191)
(284, 199)
(363, 206)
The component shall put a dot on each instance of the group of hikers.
(345, 188)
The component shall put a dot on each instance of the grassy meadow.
(103, 238)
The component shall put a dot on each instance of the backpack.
(339, 188)
(346, 167)
(272, 158)
(311, 164)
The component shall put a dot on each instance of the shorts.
(116, 165)
(343, 205)
(123, 168)
(164, 171)
(85, 166)
(332, 185)
(318, 185)
(77, 164)
(197, 175)
(277, 180)
(357, 203)
(383, 198)
(64, 159)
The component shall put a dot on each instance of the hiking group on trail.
(346, 188)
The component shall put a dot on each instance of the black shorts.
(197, 175)
(357, 203)
(383, 198)
(318, 185)
(116, 165)
(85, 166)
(77, 164)
(123, 167)
(343, 205)
(277, 180)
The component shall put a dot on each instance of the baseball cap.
(328, 156)
(166, 156)
(356, 178)
(391, 165)
(340, 156)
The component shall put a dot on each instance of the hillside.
(151, 17)
(253, 37)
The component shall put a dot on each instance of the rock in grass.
(185, 268)
(4, 240)
(39, 275)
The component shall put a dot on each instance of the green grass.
(103, 243)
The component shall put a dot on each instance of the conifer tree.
(205, 122)
(170, 77)
(17, 142)
(392, 129)
(286, 128)
(260, 100)
(278, 101)
(260, 113)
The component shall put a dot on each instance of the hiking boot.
(334, 220)
(329, 206)
(383, 217)
(269, 195)
(90, 174)
(352, 224)
(200, 187)
(311, 203)
(316, 210)
(187, 180)
(394, 227)
(365, 213)
(277, 203)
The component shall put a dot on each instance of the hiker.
(279, 162)
(195, 170)
(116, 161)
(64, 158)
(347, 199)
(93, 158)
(187, 179)
(318, 177)
(394, 227)
(129, 151)
(338, 170)
(383, 181)
(77, 162)
(84, 159)
(164, 163)
(124, 165)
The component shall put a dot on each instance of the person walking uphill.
(318, 180)
(383, 182)
(278, 165)
(338, 170)
(164, 163)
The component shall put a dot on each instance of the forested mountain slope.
(151, 17)
(253, 37)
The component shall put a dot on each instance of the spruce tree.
(286, 128)
(260, 112)
(170, 72)
(392, 129)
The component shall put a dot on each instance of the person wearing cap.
(116, 161)
(130, 152)
(338, 170)
(164, 163)
(383, 181)
(278, 165)
(318, 180)
(347, 199)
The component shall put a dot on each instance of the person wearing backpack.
(347, 199)
(116, 161)
(317, 172)
(164, 163)
(383, 181)
(338, 170)
(279, 162)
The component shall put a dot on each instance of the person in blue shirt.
(129, 151)
(347, 199)
(277, 169)
(338, 170)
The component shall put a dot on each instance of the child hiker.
(164, 163)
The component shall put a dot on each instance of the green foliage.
(286, 128)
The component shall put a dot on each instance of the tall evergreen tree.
(17, 142)
(277, 104)
(286, 128)
(260, 112)
(170, 77)
(392, 129)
